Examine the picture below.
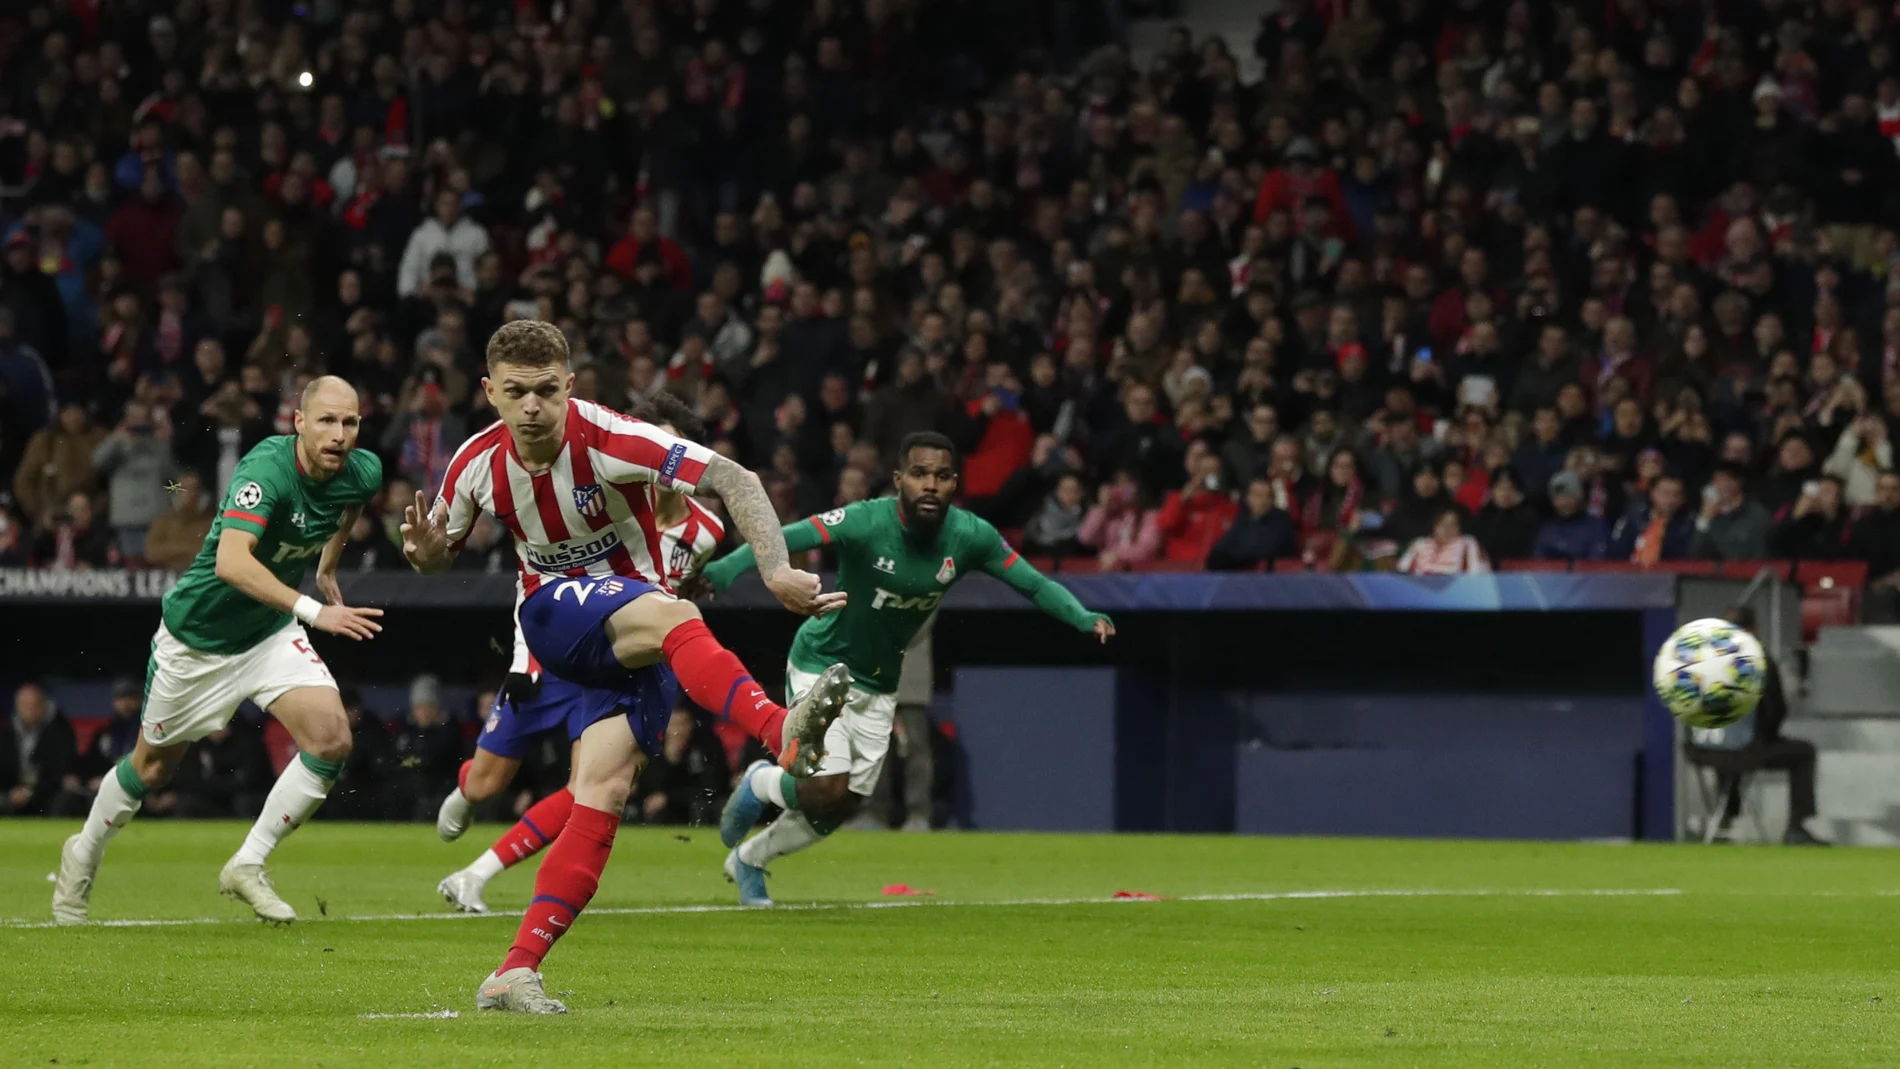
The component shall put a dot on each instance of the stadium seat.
(1286, 564)
(1825, 574)
(86, 728)
(1687, 567)
(1748, 569)
(1832, 607)
(1163, 566)
(1528, 565)
(1600, 566)
(279, 745)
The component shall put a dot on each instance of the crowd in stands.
(1451, 284)
(400, 767)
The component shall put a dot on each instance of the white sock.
(789, 834)
(486, 866)
(297, 794)
(112, 810)
(456, 807)
(768, 782)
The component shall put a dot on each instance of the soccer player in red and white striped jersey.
(571, 480)
(533, 702)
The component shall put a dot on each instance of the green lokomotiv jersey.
(895, 584)
(292, 516)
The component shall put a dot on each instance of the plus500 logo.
(574, 554)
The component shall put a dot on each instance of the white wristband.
(306, 609)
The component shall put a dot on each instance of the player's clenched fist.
(801, 592)
(349, 622)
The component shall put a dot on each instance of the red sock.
(461, 777)
(714, 678)
(566, 883)
(538, 827)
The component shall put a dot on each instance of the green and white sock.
(306, 782)
(775, 785)
(119, 798)
(787, 835)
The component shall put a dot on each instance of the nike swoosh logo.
(556, 923)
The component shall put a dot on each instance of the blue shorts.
(565, 624)
(647, 704)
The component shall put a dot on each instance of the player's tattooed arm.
(751, 510)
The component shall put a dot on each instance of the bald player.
(233, 630)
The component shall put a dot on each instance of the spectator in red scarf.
(1194, 517)
(1620, 360)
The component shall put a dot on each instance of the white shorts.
(190, 693)
(858, 739)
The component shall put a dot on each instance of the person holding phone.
(1817, 526)
(1194, 517)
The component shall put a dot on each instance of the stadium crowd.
(1453, 283)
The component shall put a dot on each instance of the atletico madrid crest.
(589, 500)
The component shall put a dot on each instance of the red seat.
(1045, 565)
(1748, 569)
(1687, 567)
(86, 728)
(1534, 566)
(1826, 574)
(1601, 566)
(1163, 565)
(279, 745)
(1833, 607)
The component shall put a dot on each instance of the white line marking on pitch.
(439, 1015)
(810, 907)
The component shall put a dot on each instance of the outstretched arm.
(1047, 594)
(800, 536)
(752, 513)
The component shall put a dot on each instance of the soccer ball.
(1710, 673)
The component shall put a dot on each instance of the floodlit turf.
(1765, 957)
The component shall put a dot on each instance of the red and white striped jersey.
(591, 513)
(685, 548)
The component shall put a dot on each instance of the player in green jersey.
(233, 629)
(896, 557)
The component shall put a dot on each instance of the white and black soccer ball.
(1710, 673)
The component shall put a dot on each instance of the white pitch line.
(438, 1015)
(923, 903)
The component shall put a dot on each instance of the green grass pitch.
(1473, 955)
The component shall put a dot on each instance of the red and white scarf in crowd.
(1427, 557)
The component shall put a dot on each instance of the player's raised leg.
(120, 795)
(314, 717)
(606, 760)
(649, 629)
